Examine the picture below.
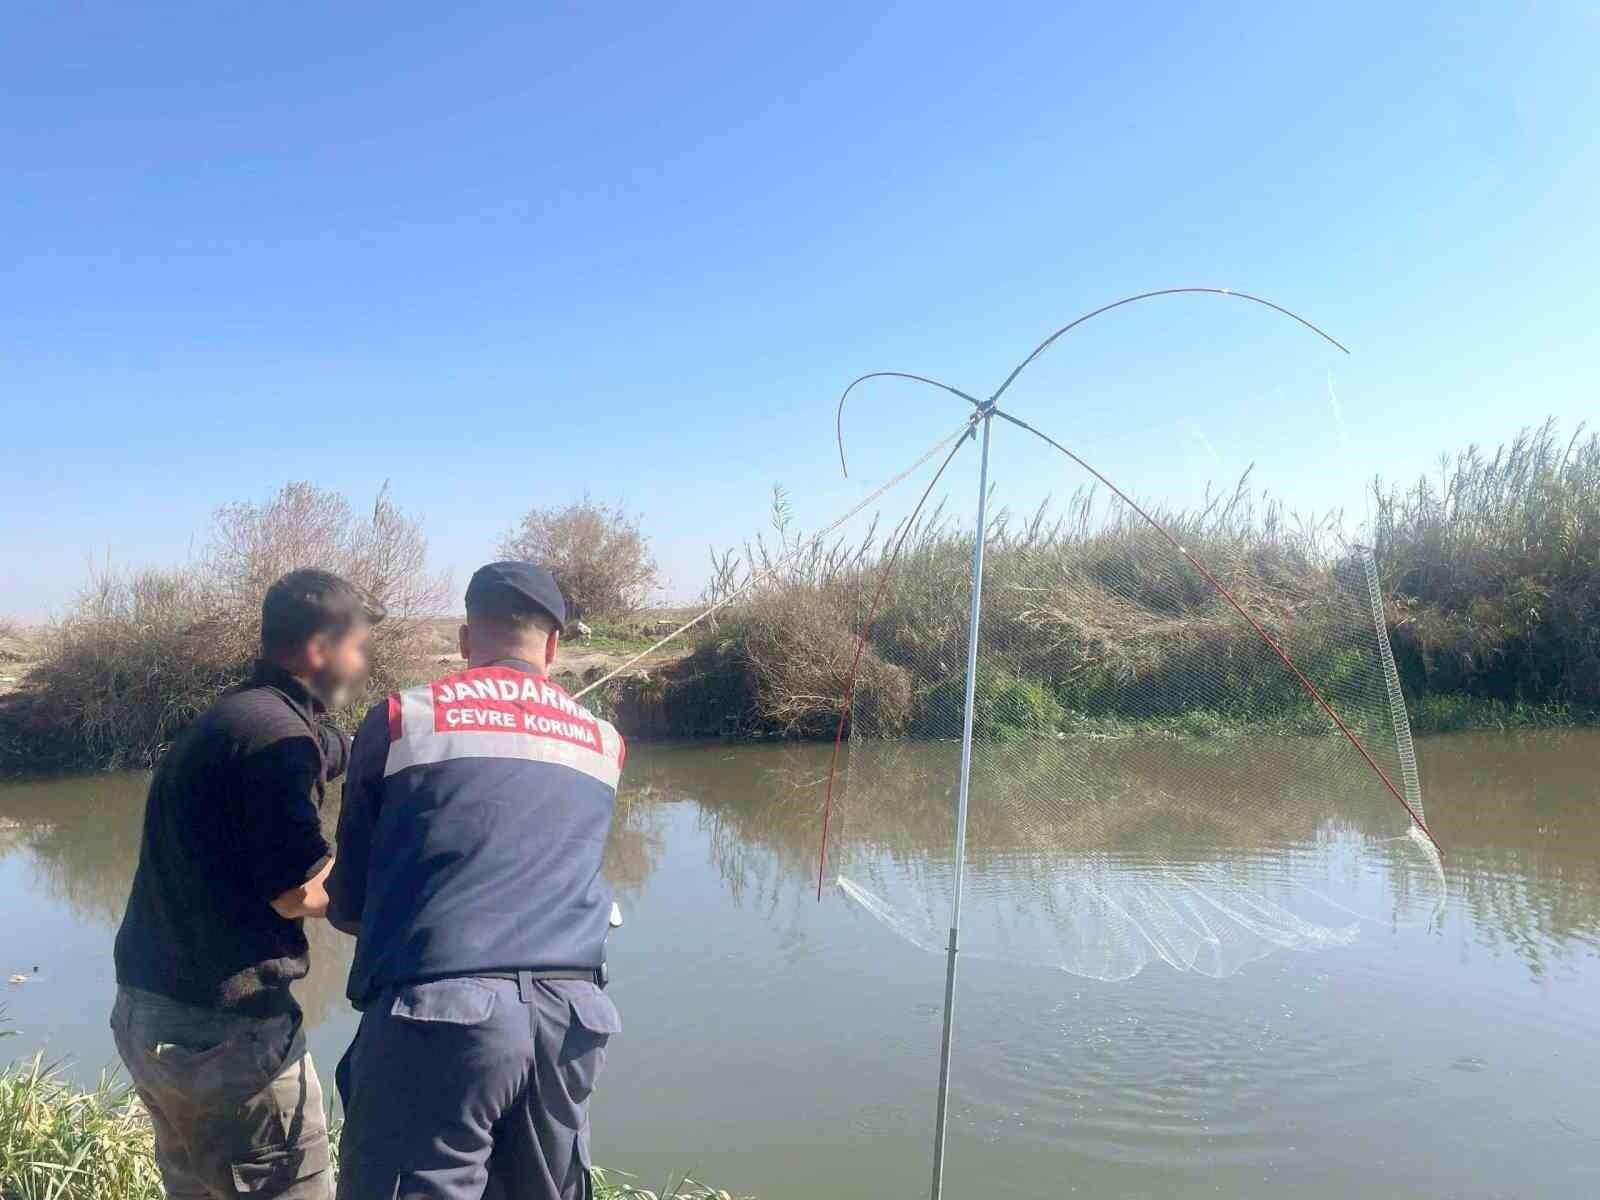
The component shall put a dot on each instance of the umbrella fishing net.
(1149, 781)
(1189, 744)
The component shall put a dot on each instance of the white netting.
(1149, 780)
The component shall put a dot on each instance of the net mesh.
(1149, 780)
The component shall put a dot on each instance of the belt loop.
(525, 986)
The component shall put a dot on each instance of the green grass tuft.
(59, 1142)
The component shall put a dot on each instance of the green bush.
(1451, 712)
(1004, 708)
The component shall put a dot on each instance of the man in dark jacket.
(231, 861)
(474, 821)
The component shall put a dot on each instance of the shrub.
(384, 553)
(138, 659)
(599, 556)
(142, 654)
(1004, 708)
(798, 650)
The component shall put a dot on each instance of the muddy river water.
(782, 1047)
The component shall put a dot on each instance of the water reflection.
(1516, 814)
(1431, 1048)
(1520, 818)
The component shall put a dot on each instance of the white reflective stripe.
(416, 711)
(441, 747)
(610, 740)
(420, 743)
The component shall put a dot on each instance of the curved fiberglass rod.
(1177, 291)
(838, 418)
(989, 407)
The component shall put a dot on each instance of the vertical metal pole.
(942, 1119)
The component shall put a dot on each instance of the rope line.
(1261, 632)
(861, 646)
(767, 572)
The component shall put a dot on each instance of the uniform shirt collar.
(517, 664)
(268, 674)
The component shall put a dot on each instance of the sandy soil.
(18, 653)
(575, 658)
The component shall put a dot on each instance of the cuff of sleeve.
(277, 885)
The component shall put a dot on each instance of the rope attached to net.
(800, 548)
(861, 645)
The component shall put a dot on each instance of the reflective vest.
(478, 827)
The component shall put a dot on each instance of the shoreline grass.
(61, 1142)
(1491, 569)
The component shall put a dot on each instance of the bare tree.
(384, 554)
(303, 525)
(144, 652)
(599, 556)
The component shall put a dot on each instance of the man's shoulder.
(252, 713)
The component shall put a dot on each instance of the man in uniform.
(231, 860)
(474, 820)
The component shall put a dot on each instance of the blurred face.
(336, 665)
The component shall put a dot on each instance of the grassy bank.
(58, 1142)
(1092, 624)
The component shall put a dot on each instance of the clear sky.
(501, 254)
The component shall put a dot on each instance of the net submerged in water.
(1150, 781)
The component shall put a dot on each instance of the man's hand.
(310, 899)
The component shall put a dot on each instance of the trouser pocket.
(277, 1142)
(236, 1103)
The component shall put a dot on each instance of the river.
(787, 1048)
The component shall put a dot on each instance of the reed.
(1493, 573)
(1494, 569)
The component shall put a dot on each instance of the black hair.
(307, 602)
(510, 610)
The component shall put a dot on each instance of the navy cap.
(531, 583)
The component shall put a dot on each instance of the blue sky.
(501, 254)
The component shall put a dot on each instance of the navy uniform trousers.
(459, 1088)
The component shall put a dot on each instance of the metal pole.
(942, 1118)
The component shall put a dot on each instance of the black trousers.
(458, 1088)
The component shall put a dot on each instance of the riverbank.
(58, 1142)
(1490, 575)
(728, 682)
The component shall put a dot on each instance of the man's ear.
(315, 653)
(461, 641)
(550, 644)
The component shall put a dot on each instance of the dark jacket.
(474, 821)
(233, 821)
